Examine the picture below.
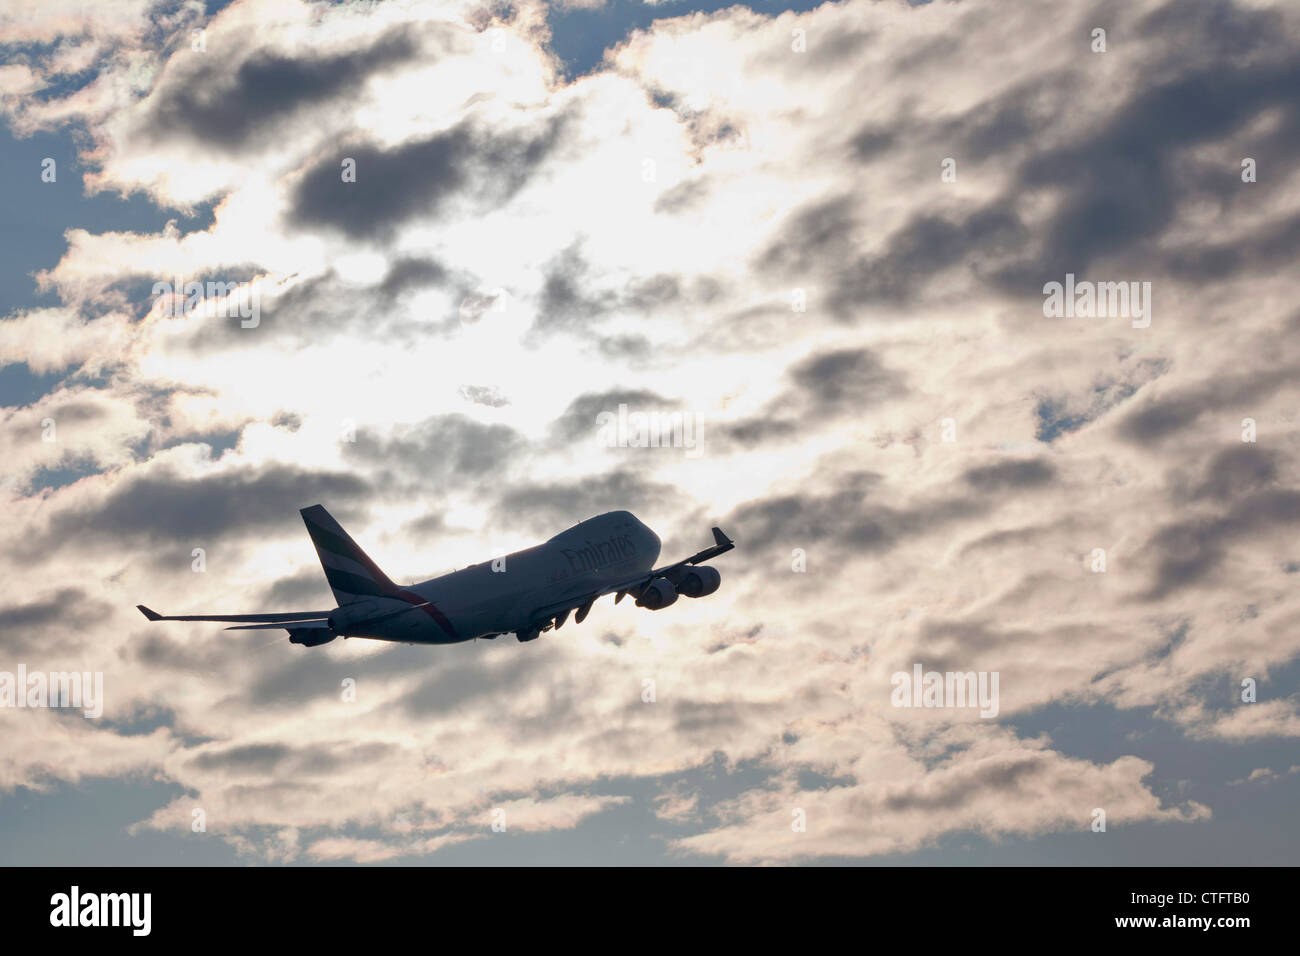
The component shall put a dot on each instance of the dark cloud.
(37, 624)
(1162, 416)
(250, 760)
(411, 273)
(443, 451)
(870, 141)
(1011, 475)
(964, 645)
(1238, 470)
(46, 612)
(843, 519)
(843, 379)
(927, 245)
(77, 413)
(1012, 120)
(462, 684)
(161, 507)
(313, 310)
(647, 294)
(748, 330)
(708, 719)
(225, 110)
(1116, 185)
(823, 231)
(1213, 30)
(683, 197)
(205, 651)
(954, 790)
(1187, 551)
(847, 519)
(1121, 182)
(1268, 247)
(306, 589)
(291, 421)
(288, 676)
(551, 507)
(565, 303)
(750, 433)
(418, 178)
(572, 299)
(703, 127)
(823, 386)
(428, 525)
(636, 347)
(578, 420)
(828, 46)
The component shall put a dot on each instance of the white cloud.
(653, 243)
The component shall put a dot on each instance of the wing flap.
(321, 625)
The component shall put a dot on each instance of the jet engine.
(658, 594)
(310, 636)
(699, 582)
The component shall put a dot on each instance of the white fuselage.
(504, 594)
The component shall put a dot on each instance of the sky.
(824, 240)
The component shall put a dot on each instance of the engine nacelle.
(310, 636)
(658, 594)
(699, 582)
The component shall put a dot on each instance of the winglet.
(721, 538)
(151, 615)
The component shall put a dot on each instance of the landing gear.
(529, 634)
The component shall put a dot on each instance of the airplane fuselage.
(504, 595)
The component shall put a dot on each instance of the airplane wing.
(306, 633)
(267, 618)
(633, 585)
(286, 625)
(722, 544)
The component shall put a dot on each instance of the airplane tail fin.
(351, 574)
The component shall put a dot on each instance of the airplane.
(525, 593)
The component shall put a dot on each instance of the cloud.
(222, 106)
(916, 463)
(418, 179)
(154, 508)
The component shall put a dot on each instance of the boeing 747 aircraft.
(525, 593)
